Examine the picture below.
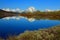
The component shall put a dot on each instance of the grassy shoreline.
(52, 33)
(52, 15)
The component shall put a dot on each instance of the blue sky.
(24, 4)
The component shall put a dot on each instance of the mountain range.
(30, 9)
(30, 13)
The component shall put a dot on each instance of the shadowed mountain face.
(7, 14)
(53, 15)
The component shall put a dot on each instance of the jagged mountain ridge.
(36, 14)
(30, 9)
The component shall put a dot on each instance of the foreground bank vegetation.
(41, 34)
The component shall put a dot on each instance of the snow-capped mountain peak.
(13, 10)
(31, 9)
(48, 10)
(7, 9)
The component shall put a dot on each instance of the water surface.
(13, 26)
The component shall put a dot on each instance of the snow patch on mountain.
(30, 9)
(13, 10)
(48, 10)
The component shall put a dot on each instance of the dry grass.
(44, 34)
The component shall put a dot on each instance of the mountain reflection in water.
(15, 27)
